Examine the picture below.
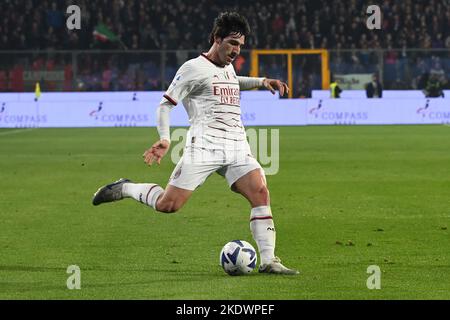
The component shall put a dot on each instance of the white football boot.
(275, 267)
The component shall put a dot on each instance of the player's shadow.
(63, 270)
(30, 268)
(22, 287)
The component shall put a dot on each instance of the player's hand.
(156, 152)
(274, 84)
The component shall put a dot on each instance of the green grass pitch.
(345, 198)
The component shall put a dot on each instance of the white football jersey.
(211, 96)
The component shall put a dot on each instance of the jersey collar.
(216, 64)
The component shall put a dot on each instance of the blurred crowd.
(185, 24)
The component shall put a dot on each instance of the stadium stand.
(168, 25)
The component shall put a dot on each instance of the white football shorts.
(197, 164)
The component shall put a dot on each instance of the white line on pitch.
(16, 131)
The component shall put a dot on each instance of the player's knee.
(168, 206)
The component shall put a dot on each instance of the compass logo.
(314, 111)
(95, 113)
(423, 110)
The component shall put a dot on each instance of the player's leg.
(172, 199)
(188, 174)
(252, 185)
(169, 200)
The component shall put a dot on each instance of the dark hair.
(229, 23)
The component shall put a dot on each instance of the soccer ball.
(238, 257)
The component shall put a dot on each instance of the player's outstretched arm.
(159, 149)
(156, 152)
(247, 83)
(274, 84)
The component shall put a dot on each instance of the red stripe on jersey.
(231, 83)
(218, 128)
(261, 218)
(227, 104)
(210, 135)
(170, 100)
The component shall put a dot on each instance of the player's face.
(230, 47)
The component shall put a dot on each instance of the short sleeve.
(182, 84)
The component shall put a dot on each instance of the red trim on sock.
(261, 218)
(148, 193)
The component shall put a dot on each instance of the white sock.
(146, 193)
(263, 231)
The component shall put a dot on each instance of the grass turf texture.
(345, 198)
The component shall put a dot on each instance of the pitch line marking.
(16, 131)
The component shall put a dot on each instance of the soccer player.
(216, 141)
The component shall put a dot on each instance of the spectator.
(390, 65)
(438, 42)
(374, 88)
(423, 81)
(3, 81)
(16, 76)
(55, 17)
(278, 24)
(438, 71)
(434, 88)
(335, 90)
(305, 90)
